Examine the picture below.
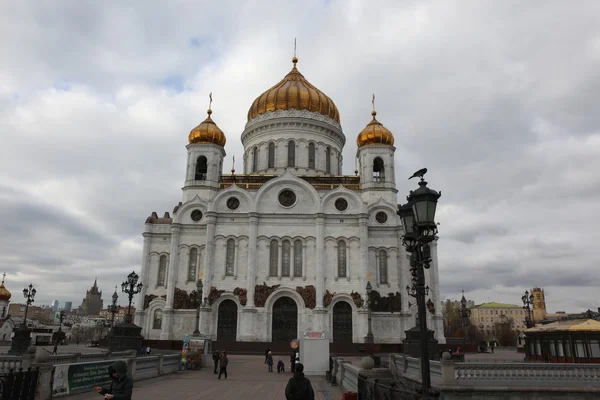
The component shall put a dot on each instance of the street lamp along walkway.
(127, 335)
(22, 335)
(420, 228)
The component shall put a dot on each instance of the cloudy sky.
(499, 100)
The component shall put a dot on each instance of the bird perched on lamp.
(419, 174)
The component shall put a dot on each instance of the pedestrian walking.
(292, 361)
(270, 361)
(223, 363)
(267, 354)
(299, 387)
(55, 351)
(121, 386)
(216, 356)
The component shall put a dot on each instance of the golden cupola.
(208, 131)
(294, 92)
(374, 132)
(4, 293)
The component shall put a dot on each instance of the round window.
(196, 215)
(381, 217)
(287, 198)
(341, 204)
(233, 203)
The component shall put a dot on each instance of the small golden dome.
(294, 92)
(4, 293)
(375, 133)
(207, 132)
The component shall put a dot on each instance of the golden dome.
(4, 293)
(207, 132)
(294, 92)
(375, 133)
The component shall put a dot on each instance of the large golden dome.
(375, 133)
(4, 293)
(294, 92)
(207, 132)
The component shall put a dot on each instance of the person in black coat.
(292, 361)
(216, 356)
(299, 387)
(121, 386)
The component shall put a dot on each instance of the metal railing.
(376, 391)
(19, 385)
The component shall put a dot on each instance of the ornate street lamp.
(465, 314)
(22, 335)
(199, 287)
(420, 228)
(131, 287)
(29, 294)
(113, 309)
(527, 303)
(369, 337)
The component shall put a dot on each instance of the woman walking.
(223, 363)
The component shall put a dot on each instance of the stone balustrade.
(9, 362)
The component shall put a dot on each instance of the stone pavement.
(248, 380)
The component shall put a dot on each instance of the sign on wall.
(314, 335)
(80, 377)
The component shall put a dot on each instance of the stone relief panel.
(242, 294)
(327, 297)
(309, 295)
(183, 300)
(357, 298)
(214, 294)
(389, 303)
(262, 292)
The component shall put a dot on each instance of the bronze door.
(342, 323)
(227, 325)
(285, 320)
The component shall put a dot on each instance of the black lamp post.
(61, 317)
(113, 308)
(199, 287)
(369, 337)
(527, 303)
(22, 334)
(131, 287)
(420, 228)
(29, 294)
(465, 314)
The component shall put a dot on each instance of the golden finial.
(373, 113)
(233, 166)
(294, 59)
(209, 111)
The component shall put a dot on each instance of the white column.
(251, 277)
(364, 250)
(167, 325)
(319, 264)
(209, 265)
(279, 261)
(145, 277)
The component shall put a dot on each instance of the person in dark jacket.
(216, 356)
(292, 361)
(121, 386)
(299, 387)
(223, 362)
(270, 361)
(267, 354)
(280, 366)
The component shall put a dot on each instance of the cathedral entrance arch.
(342, 322)
(227, 324)
(284, 325)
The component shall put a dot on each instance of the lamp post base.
(126, 336)
(412, 344)
(20, 341)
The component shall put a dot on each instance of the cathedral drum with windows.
(287, 246)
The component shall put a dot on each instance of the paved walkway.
(248, 380)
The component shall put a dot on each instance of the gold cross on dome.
(373, 101)
(3, 276)
(210, 101)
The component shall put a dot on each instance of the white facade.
(234, 232)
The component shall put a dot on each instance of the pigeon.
(419, 173)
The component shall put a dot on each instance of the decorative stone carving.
(184, 301)
(327, 297)
(294, 114)
(242, 294)
(389, 303)
(358, 301)
(430, 306)
(262, 292)
(309, 295)
(149, 297)
(214, 294)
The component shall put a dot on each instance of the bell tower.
(539, 304)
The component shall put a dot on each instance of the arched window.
(378, 170)
(311, 155)
(291, 153)
(3, 312)
(255, 159)
(192, 265)
(162, 271)
(201, 168)
(298, 258)
(328, 160)
(157, 320)
(230, 257)
(286, 249)
(271, 155)
(383, 275)
(342, 259)
(274, 260)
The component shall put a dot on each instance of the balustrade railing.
(9, 362)
(368, 390)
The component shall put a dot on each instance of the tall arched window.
(311, 155)
(271, 155)
(255, 159)
(3, 312)
(274, 259)
(192, 266)
(328, 160)
(383, 269)
(201, 168)
(298, 258)
(230, 257)
(157, 320)
(378, 170)
(286, 249)
(162, 271)
(291, 153)
(342, 259)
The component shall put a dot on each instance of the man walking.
(223, 362)
(215, 358)
(299, 387)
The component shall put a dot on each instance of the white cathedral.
(289, 245)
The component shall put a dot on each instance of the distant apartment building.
(92, 303)
(485, 316)
(68, 306)
(55, 305)
(119, 316)
(44, 315)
